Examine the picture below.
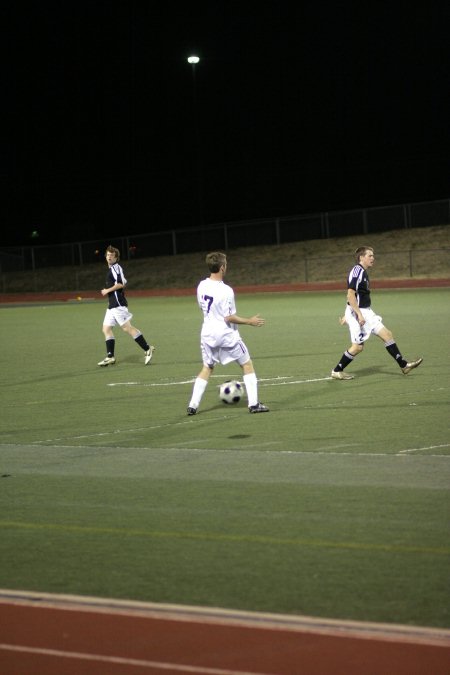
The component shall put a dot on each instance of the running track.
(72, 296)
(42, 634)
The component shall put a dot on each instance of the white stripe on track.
(182, 668)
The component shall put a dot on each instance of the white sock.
(251, 387)
(197, 392)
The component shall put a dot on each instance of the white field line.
(149, 384)
(268, 382)
(429, 447)
(324, 450)
(316, 379)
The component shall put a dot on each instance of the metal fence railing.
(227, 236)
(398, 264)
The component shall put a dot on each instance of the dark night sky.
(301, 107)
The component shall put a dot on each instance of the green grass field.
(335, 504)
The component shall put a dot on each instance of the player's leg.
(210, 356)
(391, 346)
(347, 357)
(137, 336)
(110, 342)
(251, 387)
(357, 336)
(199, 388)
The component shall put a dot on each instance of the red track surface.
(72, 296)
(42, 634)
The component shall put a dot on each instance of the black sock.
(395, 353)
(110, 343)
(346, 358)
(142, 342)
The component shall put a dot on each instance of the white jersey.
(216, 300)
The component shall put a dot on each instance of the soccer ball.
(231, 391)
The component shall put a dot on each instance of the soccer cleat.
(149, 354)
(191, 411)
(259, 407)
(107, 361)
(340, 375)
(409, 366)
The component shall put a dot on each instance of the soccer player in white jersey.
(118, 312)
(220, 341)
(362, 320)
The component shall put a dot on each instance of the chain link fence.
(226, 236)
(277, 268)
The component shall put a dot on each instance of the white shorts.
(118, 315)
(212, 355)
(359, 334)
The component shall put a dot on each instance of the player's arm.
(250, 321)
(113, 288)
(352, 301)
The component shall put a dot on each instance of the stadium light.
(193, 60)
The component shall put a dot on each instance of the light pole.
(194, 60)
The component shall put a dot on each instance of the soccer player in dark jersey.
(362, 320)
(118, 312)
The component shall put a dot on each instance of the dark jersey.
(116, 298)
(358, 280)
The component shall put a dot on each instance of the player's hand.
(257, 321)
(342, 320)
